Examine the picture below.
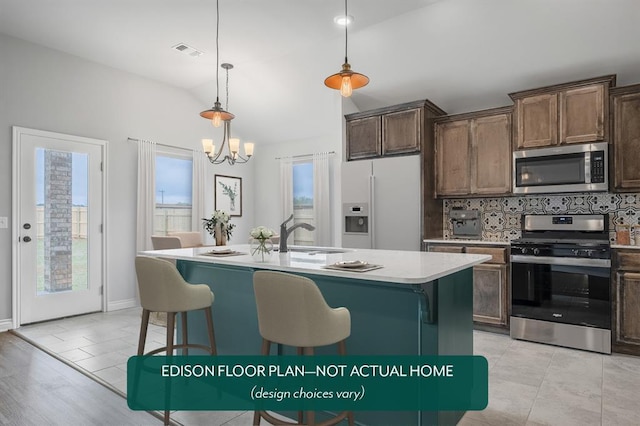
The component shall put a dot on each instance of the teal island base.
(430, 318)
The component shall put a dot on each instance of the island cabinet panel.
(575, 112)
(625, 107)
(453, 158)
(537, 121)
(363, 136)
(491, 151)
(473, 153)
(401, 132)
(626, 301)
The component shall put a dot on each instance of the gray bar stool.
(162, 289)
(293, 312)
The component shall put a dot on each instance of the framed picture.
(228, 194)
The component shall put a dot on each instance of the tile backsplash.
(501, 216)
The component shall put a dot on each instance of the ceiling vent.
(187, 50)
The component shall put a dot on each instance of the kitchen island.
(417, 303)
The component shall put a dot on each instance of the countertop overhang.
(401, 267)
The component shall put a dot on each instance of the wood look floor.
(37, 389)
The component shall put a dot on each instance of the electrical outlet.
(4, 222)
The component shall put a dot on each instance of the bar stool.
(293, 312)
(162, 289)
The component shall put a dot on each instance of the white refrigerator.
(384, 194)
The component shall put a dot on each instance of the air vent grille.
(188, 50)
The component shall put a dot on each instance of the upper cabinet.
(625, 110)
(364, 138)
(473, 153)
(567, 113)
(395, 130)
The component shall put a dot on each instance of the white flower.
(261, 233)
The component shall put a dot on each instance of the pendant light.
(346, 80)
(216, 114)
(232, 153)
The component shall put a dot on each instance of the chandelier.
(346, 80)
(232, 154)
(218, 116)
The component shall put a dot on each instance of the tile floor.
(529, 384)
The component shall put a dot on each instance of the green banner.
(358, 383)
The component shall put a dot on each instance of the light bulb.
(234, 145)
(207, 145)
(248, 149)
(345, 88)
(216, 119)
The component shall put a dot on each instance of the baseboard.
(6, 324)
(122, 304)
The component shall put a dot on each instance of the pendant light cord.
(218, 49)
(346, 24)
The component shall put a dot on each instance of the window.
(173, 194)
(303, 201)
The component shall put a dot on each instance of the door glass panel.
(61, 228)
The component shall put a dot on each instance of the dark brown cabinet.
(395, 130)
(625, 110)
(575, 112)
(626, 302)
(473, 153)
(363, 136)
(490, 283)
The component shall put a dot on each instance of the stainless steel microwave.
(567, 168)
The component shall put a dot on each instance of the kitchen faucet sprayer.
(285, 232)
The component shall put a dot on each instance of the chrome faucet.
(284, 232)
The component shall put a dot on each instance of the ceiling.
(463, 55)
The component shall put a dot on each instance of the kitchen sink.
(316, 250)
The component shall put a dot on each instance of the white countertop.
(463, 242)
(403, 267)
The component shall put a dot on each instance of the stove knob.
(575, 252)
(536, 251)
(524, 250)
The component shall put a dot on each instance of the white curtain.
(322, 200)
(198, 188)
(146, 194)
(286, 187)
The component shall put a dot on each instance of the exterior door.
(58, 224)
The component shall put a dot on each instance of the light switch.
(4, 222)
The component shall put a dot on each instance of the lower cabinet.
(626, 302)
(489, 295)
(490, 283)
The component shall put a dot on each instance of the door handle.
(26, 239)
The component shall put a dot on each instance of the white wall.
(48, 90)
(267, 171)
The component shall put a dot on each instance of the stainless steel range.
(560, 281)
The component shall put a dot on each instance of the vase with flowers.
(219, 226)
(261, 245)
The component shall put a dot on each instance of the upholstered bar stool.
(162, 289)
(161, 242)
(293, 312)
(188, 239)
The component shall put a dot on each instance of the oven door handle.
(565, 261)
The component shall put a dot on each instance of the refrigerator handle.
(372, 204)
